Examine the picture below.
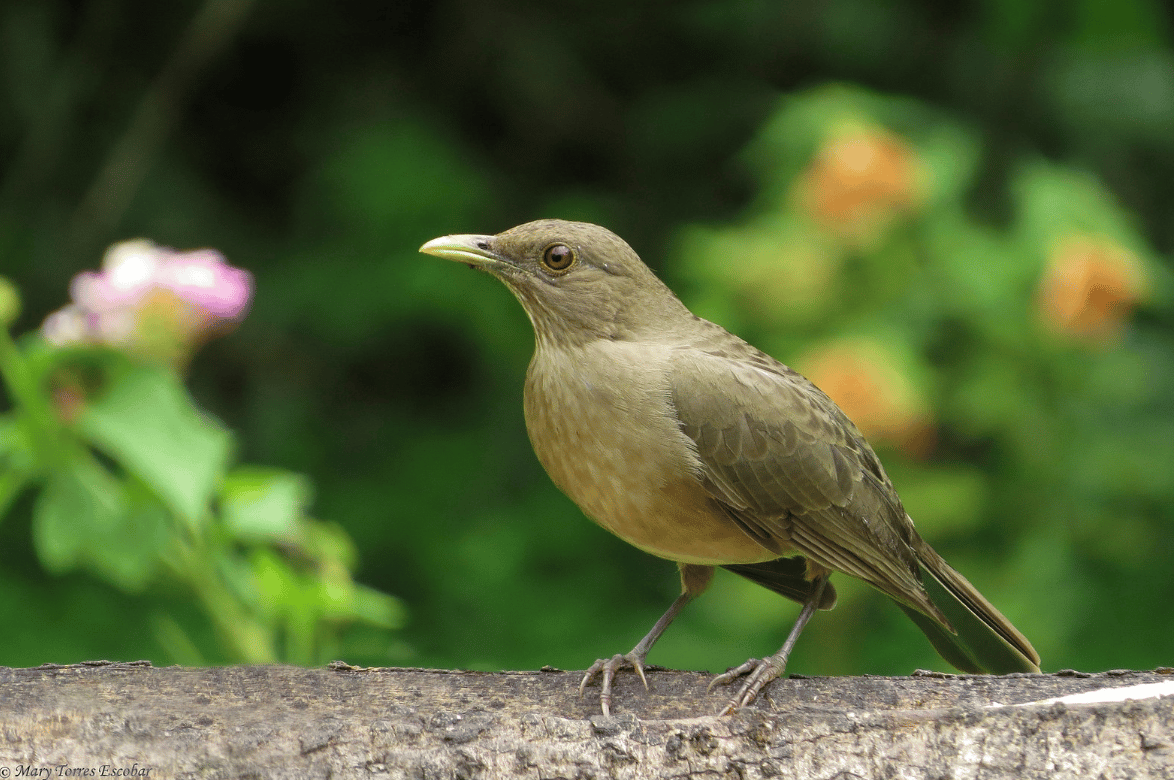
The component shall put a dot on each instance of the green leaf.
(264, 501)
(377, 609)
(17, 460)
(149, 424)
(78, 503)
(1054, 201)
(127, 553)
(86, 517)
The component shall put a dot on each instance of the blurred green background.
(956, 218)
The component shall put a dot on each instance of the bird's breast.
(601, 420)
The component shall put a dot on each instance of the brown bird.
(687, 442)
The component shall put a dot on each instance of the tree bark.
(134, 720)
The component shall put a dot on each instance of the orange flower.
(864, 379)
(1090, 288)
(858, 182)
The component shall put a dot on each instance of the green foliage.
(135, 487)
(146, 422)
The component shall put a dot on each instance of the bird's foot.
(761, 672)
(606, 669)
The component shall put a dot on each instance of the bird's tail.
(982, 640)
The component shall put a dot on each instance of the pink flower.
(152, 301)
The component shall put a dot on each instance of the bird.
(687, 442)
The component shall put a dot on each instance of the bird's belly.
(634, 474)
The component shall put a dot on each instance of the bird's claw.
(606, 668)
(761, 671)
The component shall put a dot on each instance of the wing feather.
(790, 468)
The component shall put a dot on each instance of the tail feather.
(982, 640)
(965, 628)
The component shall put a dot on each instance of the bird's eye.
(558, 257)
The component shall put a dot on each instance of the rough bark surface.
(127, 720)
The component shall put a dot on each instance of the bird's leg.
(763, 671)
(606, 668)
(694, 580)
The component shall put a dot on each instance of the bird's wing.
(786, 576)
(792, 470)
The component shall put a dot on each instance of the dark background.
(319, 144)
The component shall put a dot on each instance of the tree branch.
(342, 721)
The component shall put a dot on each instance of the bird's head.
(577, 281)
